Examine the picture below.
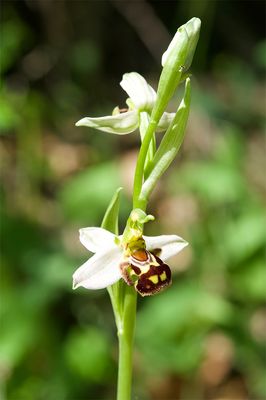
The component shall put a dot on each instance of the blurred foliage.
(205, 337)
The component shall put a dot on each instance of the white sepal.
(96, 239)
(99, 271)
(170, 245)
(119, 124)
(140, 92)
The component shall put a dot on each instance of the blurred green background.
(203, 338)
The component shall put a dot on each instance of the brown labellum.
(146, 272)
(157, 278)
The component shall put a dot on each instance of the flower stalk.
(126, 333)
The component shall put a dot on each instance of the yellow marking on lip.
(163, 276)
(154, 279)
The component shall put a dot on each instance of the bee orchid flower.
(122, 121)
(140, 263)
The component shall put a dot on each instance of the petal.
(119, 124)
(100, 271)
(165, 121)
(96, 239)
(141, 93)
(169, 245)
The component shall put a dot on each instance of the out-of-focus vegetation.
(203, 338)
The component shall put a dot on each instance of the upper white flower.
(104, 267)
(141, 98)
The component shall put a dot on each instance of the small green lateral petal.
(119, 124)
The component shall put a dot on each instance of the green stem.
(125, 338)
(144, 121)
(139, 172)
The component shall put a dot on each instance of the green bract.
(169, 146)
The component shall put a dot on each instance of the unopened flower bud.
(181, 50)
(176, 60)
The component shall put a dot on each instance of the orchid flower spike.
(122, 121)
(140, 263)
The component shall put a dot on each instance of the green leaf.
(169, 146)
